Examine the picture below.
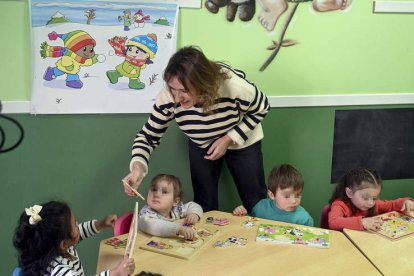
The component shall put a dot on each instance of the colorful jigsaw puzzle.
(298, 235)
(396, 225)
(178, 247)
(117, 243)
(132, 234)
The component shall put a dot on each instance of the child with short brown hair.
(285, 189)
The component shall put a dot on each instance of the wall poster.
(100, 56)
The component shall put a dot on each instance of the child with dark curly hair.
(46, 236)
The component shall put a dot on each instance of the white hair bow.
(33, 212)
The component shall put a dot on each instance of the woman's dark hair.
(192, 68)
(356, 179)
(38, 244)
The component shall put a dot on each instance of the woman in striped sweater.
(220, 112)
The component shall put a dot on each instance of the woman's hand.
(372, 223)
(107, 222)
(240, 211)
(218, 148)
(134, 178)
(408, 208)
(191, 219)
(124, 268)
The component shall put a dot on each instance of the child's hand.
(408, 208)
(240, 211)
(373, 223)
(107, 222)
(124, 268)
(191, 219)
(187, 232)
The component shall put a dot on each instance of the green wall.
(351, 52)
(82, 158)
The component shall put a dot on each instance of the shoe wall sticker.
(269, 15)
(393, 6)
(100, 56)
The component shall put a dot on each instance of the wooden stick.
(132, 189)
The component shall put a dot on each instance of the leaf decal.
(273, 46)
(288, 42)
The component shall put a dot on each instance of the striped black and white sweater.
(238, 112)
(61, 266)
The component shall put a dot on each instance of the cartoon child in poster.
(78, 51)
(127, 19)
(138, 52)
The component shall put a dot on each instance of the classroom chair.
(17, 272)
(324, 216)
(122, 224)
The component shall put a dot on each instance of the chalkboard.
(382, 139)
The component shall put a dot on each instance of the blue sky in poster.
(106, 12)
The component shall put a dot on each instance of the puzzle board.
(180, 248)
(132, 234)
(297, 235)
(396, 225)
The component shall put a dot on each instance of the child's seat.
(324, 216)
(123, 224)
(17, 272)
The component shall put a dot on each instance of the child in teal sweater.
(285, 193)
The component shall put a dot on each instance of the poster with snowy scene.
(100, 56)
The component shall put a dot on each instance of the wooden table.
(256, 258)
(390, 257)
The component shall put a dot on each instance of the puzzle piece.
(217, 221)
(248, 223)
(233, 240)
(117, 243)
